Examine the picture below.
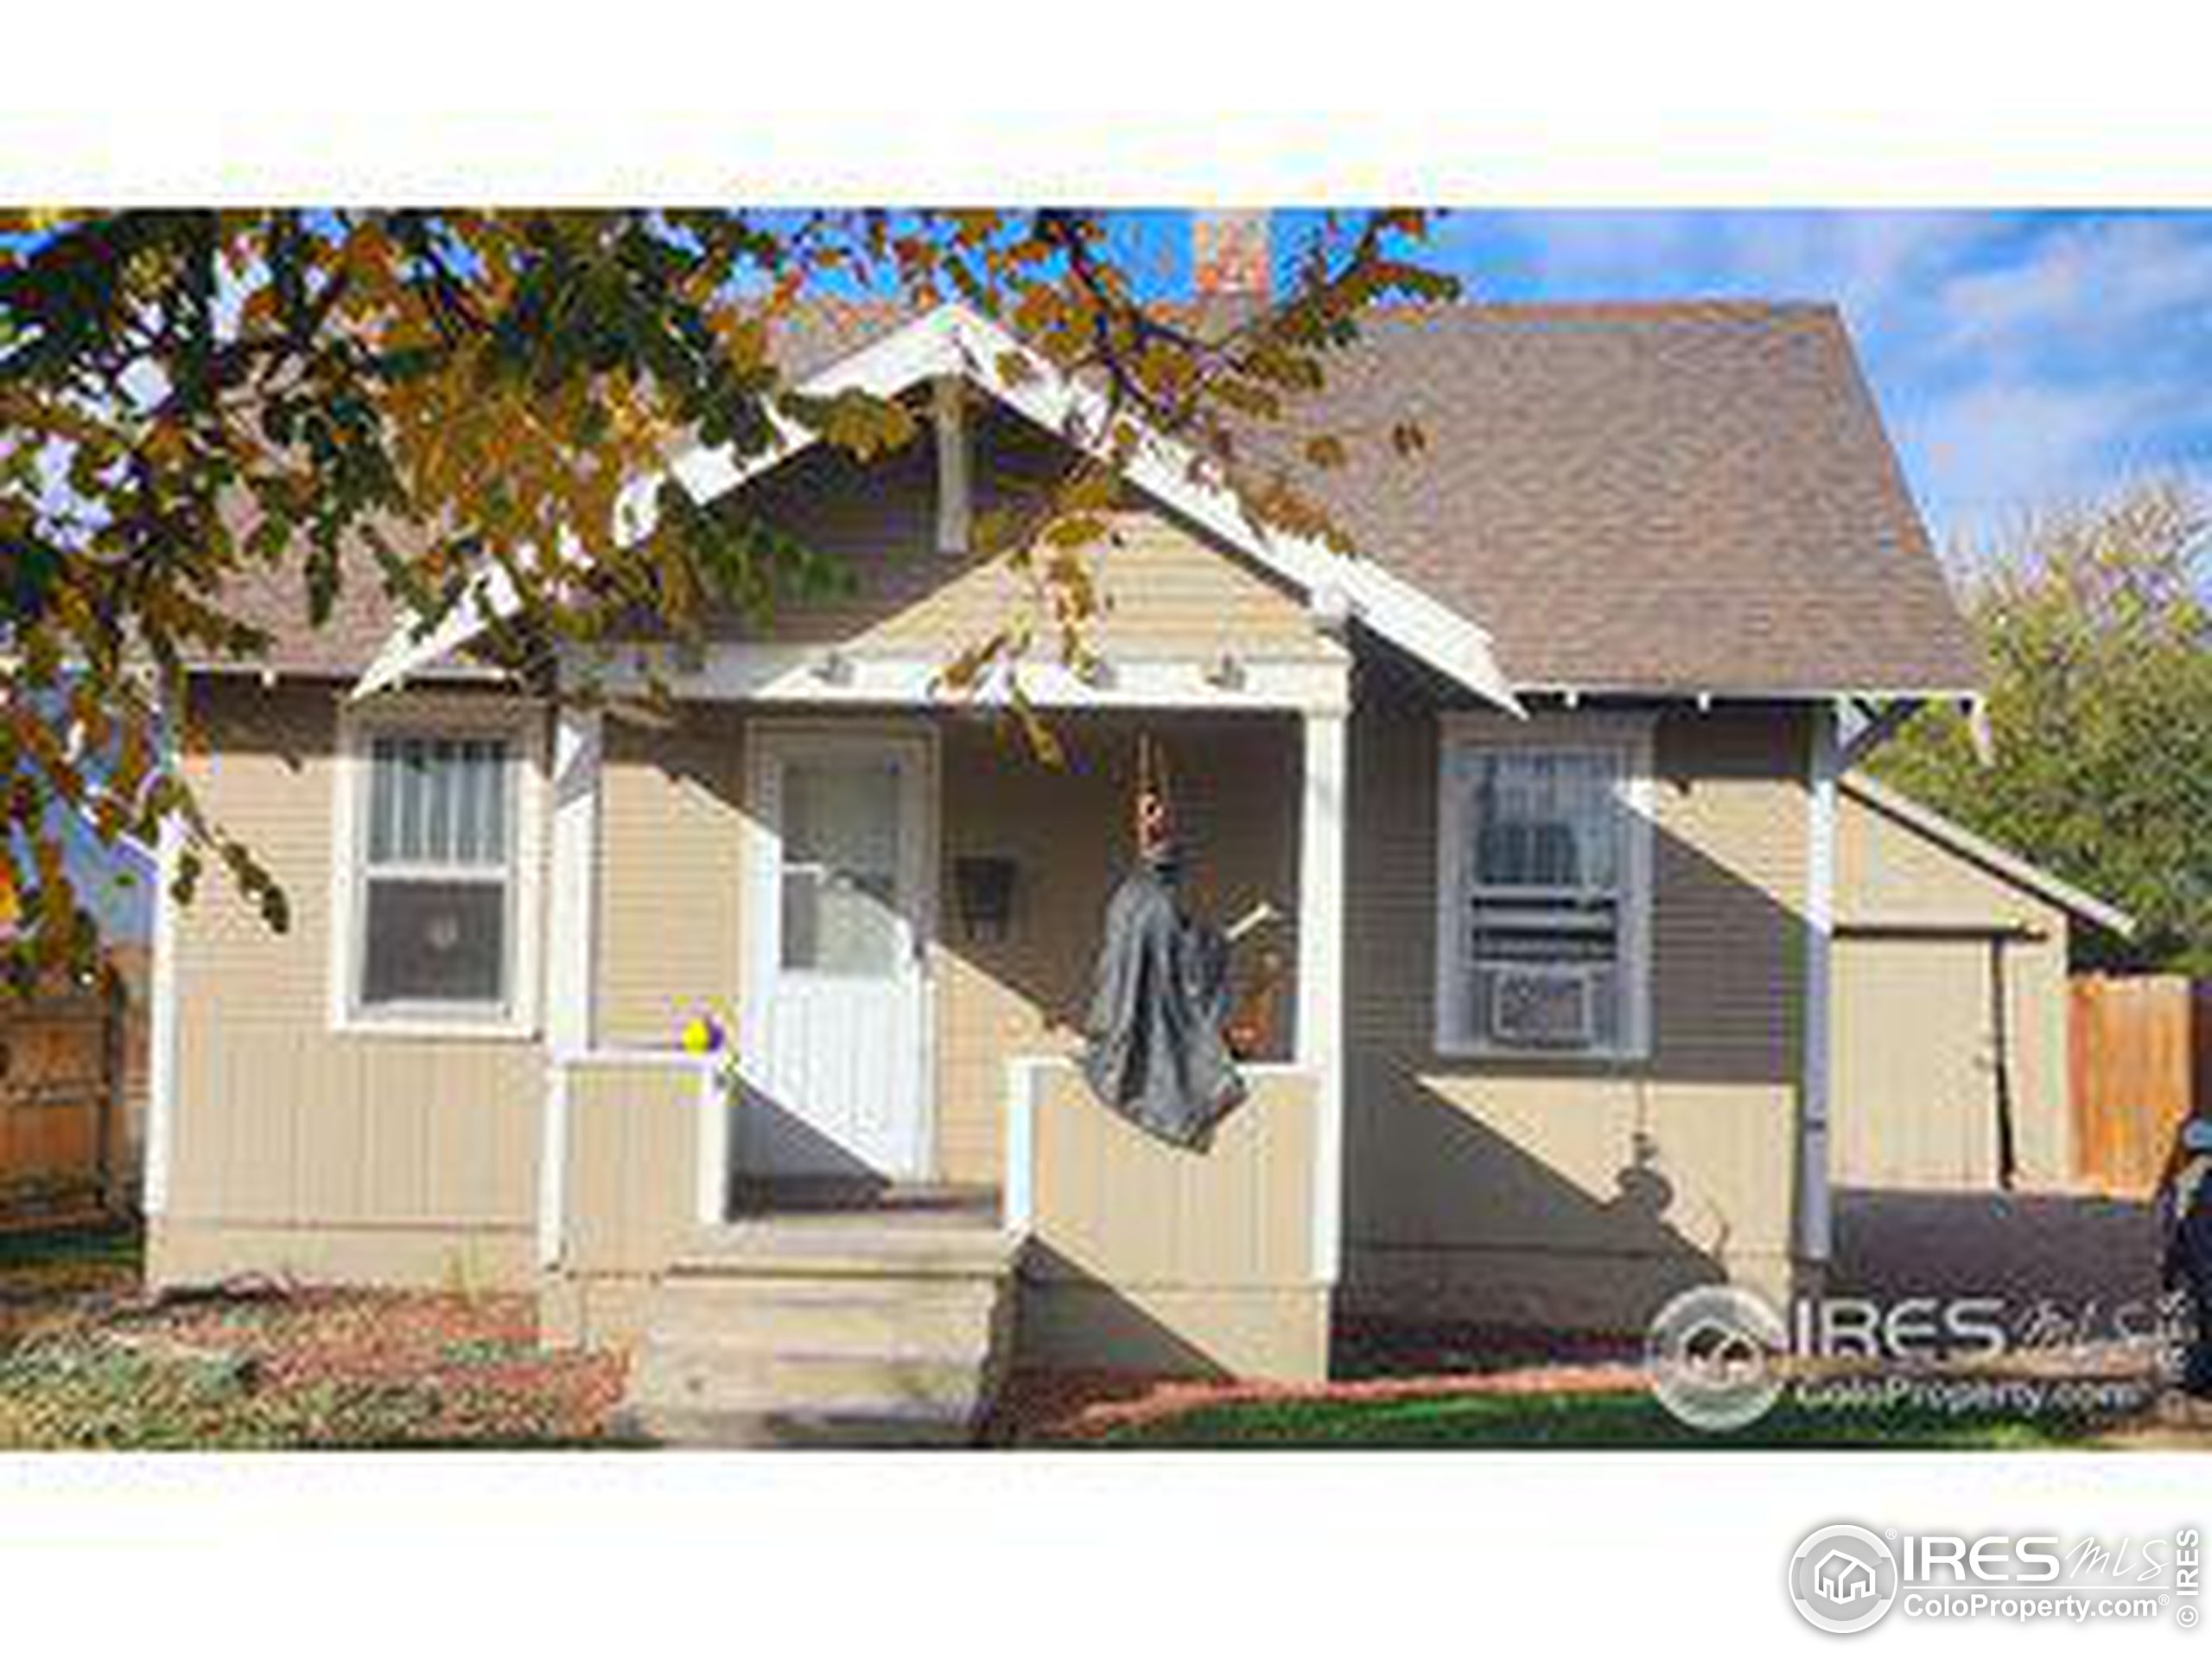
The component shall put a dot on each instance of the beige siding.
(670, 874)
(1923, 934)
(630, 1195)
(1580, 1193)
(1165, 586)
(417, 1152)
(1914, 1102)
(1146, 1256)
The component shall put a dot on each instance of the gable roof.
(1999, 861)
(954, 341)
(1665, 499)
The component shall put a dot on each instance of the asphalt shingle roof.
(1668, 498)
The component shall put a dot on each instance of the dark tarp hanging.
(2189, 1267)
(1157, 1052)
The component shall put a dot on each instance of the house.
(1951, 1071)
(1543, 783)
(1843, 1578)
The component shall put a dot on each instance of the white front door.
(834, 1047)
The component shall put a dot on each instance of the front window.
(1541, 905)
(437, 889)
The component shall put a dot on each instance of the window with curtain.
(1541, 911)
(437, 874)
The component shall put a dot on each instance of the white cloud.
(2084, 283)
(1866, 262)
(1982, 455)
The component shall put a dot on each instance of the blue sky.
(2020, 359)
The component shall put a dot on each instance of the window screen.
(1539, 926)
(437, 900)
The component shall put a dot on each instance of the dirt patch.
(86, 1362)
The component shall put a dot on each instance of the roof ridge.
(1674, 305)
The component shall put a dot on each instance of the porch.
(681, 887)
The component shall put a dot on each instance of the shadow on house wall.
(1572, 1192)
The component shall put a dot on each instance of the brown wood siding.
(61, 1060)
(1580, 1192)
(2134, 1043)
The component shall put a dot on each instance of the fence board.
(2137, 1052)
(60, 1076)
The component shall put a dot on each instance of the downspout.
(1815, 1222)
(2000, 1042)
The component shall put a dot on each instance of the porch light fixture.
(833, 668)
(983, 886)
(1226, 671)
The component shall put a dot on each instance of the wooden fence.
(62, 1075)
(2141, 1060)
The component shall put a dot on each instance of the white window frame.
(522, 724)
(1626, 739)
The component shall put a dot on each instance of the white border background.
(1554, 104)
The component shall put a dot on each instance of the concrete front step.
(839, 1246)
(931, 1319)
(792, 1428)
(722, 1379)
(830, 1329)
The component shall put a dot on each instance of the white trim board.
(812, 676)
(1628, 735)
(1977, 849)
(1815, 1215)
(521, 721)
(161, 1021)
(955, 341)
(1324, 780)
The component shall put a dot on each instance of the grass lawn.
(1611, 1420)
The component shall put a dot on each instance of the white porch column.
(1815, 1226)
(1320, 969)
(572, 953)
(159, 1151)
